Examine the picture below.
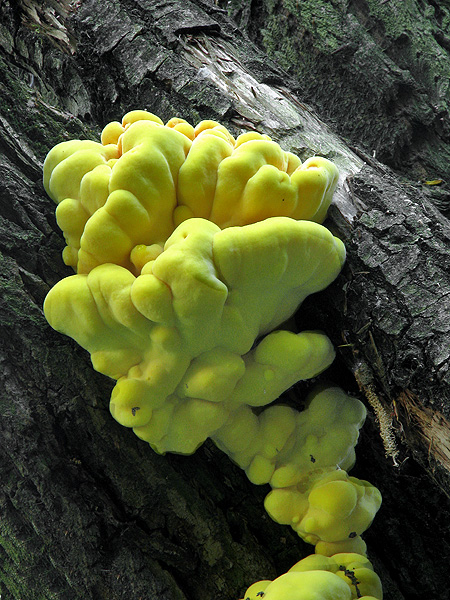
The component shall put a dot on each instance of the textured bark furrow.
(403, 245)
(398, 275)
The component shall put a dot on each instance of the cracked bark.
(88, 511)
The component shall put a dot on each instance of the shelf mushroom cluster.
(344, 576)
(190, 249)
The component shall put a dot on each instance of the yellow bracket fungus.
(146, 178)
(179, 336)
(191, 247)
(344, 576)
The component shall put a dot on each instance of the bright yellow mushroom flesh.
(344, 576)
(179, 337)
(190, 245)
(146, 178)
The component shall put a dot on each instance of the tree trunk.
(88, 510)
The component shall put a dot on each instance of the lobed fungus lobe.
(145, 178)
(344, 576)
(164, 294)
(191, 247)
(179, 336)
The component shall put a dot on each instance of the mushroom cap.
(326, 506)
(179, 336)
(146, 178)
(308, 585)
(316, 577)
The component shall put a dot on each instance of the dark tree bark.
(377, 71)
(88, 510)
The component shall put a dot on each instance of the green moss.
(21, 561)
(417, 48)
(28, 110)
(291, 25)
(15, 548)
(322, 18)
